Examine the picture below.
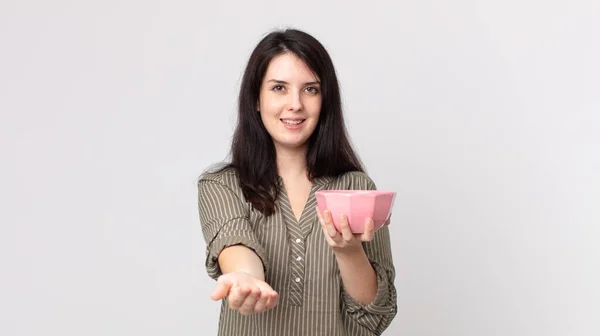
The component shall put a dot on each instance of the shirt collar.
(317, 182)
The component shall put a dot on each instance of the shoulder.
(219, 174)
(353, 180)
(224, 177)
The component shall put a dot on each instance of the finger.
(369, 230)
(223, 286)
(331, 231)
(319, 216)
(261, 304)
(237, 297)
(327, 237)
(323, 226)
(248, 306)
(272, 299)
(345, 228)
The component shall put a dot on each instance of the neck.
(291, 163)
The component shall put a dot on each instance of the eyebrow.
(284, 82)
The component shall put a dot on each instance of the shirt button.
(297, 279)
(298, 240)
(298, 258)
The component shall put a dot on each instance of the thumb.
(224, 284)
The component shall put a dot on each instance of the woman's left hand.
(344, 240)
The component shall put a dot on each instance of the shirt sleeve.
(379, 313)
(225, 222)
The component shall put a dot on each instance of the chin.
(292, 144)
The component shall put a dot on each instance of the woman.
(277, 272)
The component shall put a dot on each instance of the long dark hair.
(253, 156)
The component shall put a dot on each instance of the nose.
(295, 101)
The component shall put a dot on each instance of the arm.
(234, 256)
(358, 276)
(377, 314)
(357, 273)
(366, 268)
(367, 272)
(239, 258)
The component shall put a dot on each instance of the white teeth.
(292, 122)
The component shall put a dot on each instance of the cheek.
(315, 107)
(270, 107)
(269, 119)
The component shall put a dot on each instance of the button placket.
(298, 231)
(297, 276)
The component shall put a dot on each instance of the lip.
(292, 127)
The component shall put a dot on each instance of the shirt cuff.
(384, 302)
(224, 240)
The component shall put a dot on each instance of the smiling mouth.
(292, 122)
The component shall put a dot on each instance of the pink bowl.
(358, 205)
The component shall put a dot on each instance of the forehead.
(290, 68)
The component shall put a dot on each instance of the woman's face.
(289, 101)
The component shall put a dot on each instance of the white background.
(484, 116)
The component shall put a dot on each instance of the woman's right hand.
(245, 293)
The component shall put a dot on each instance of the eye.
(278, 88)
(312, 90)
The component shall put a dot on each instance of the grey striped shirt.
(299, 264)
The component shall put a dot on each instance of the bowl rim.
(354, 192)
